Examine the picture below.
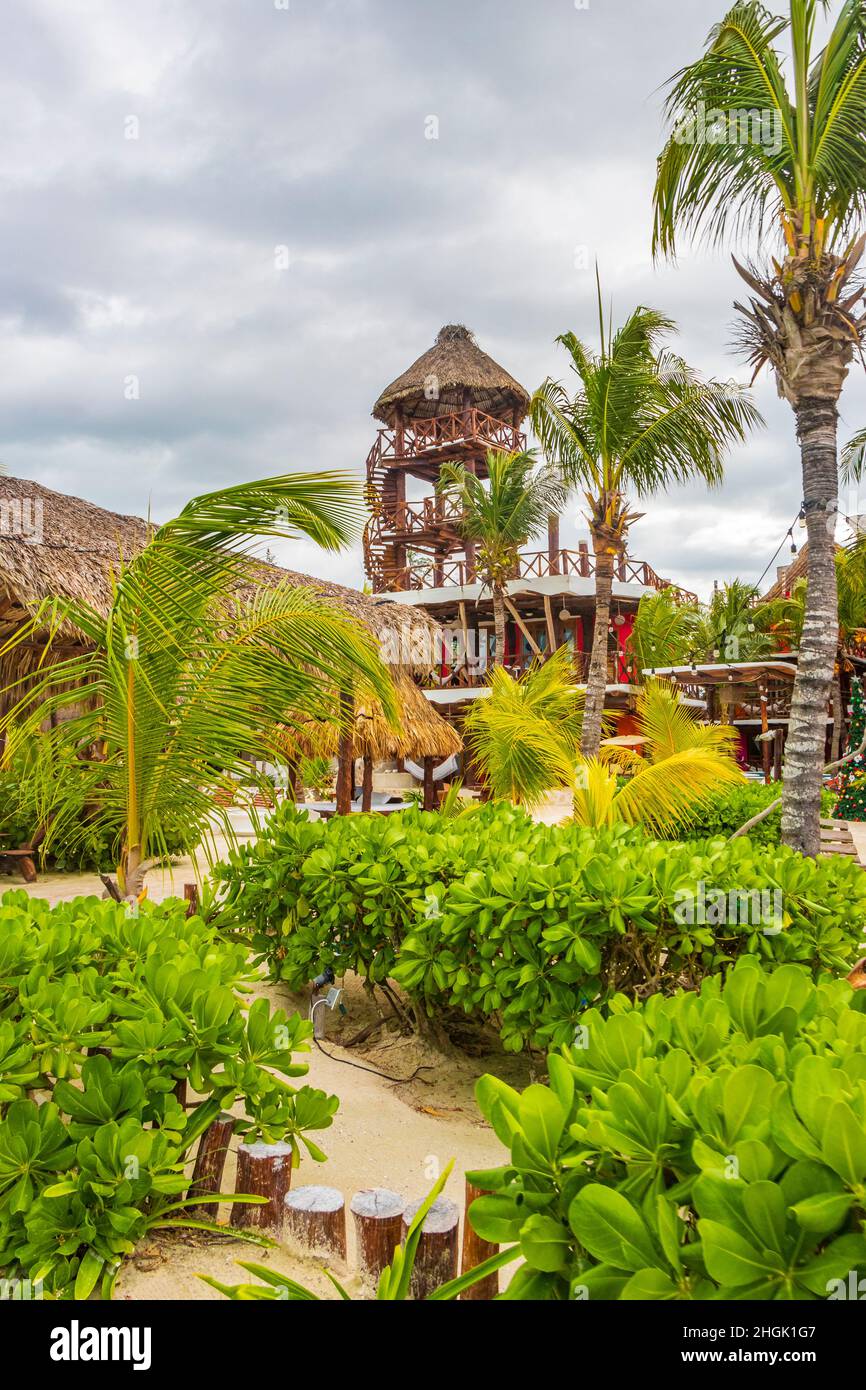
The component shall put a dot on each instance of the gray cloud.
(258, 128)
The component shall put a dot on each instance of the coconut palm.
(666, 632)
(682, 764)
(500, 516)
(525, 735)
(197, 662)
(788, 154)
(640, 421)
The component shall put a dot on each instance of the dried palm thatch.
(423, 733)
(54, 546)
(435, 384)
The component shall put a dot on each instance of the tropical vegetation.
(108, 1020)
(196, 672)
(711, 1145)
(640, 420)
(499, 515)
(800, 173)
(521, 925)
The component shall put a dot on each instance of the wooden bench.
(24, 857)
(836, 838)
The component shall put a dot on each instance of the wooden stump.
(315, 1220)
(436, 1260)
(210, 1162)
(476, 1251)
(264, 1170)
(190, 893)
(378, 1217)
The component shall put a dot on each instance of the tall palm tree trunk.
(596, 681)
(807, 734)
(499, 624)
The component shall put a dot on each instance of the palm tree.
(790, 154)
(665, 632)
(525, 736)
(197, 663)
(682, 764)
(501, 516)
(641, 420)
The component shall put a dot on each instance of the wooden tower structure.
(453, 405)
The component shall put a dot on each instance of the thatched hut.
(453, 372)
(52, 546)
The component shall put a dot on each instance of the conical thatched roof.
(434, 385)
(423, 733)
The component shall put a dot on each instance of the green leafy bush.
(528, 924)
(733, 807)
(106, 1018)
(708, 1145)
(78, 841)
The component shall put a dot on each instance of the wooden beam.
(523, 628)
(551, 627)
(429, 788)
(367, 796)
(464, 623)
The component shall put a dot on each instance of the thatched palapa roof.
(435, 384)
(52, 546)
(419, 736)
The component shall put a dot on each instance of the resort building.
(455, 404)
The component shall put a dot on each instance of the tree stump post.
(429, 786)
(378, 1216)
(436, 1259)
(476, 1251)
(264, 1170)
(367, 785)
(190, 892)
(315, 1220)
(210, 1162)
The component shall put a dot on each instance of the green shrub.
(528, 924)
(106, 1016)
(703, 1146)
(732, 807)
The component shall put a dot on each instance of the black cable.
(400, 1080)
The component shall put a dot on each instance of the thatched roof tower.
(454, 373)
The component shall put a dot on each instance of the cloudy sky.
(223, 229)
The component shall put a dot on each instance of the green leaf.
(844, 1144)
(608, 1226)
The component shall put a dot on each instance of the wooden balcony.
(444, 573)
(432, 441)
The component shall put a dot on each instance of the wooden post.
(210, 1162)
(378, 1217)
(765, 742)
(315, 1220)
(429, 789)
(552, 643)
(180, 1092)
(553, 544)
(436, 1260)
(476, 1251)
(583, 562)
(367, 794)
(777, 754)
(346, 757)
(264, 1170)
(190, 892)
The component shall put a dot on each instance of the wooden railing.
(459, 678)
(537, 565)
(418, 439)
